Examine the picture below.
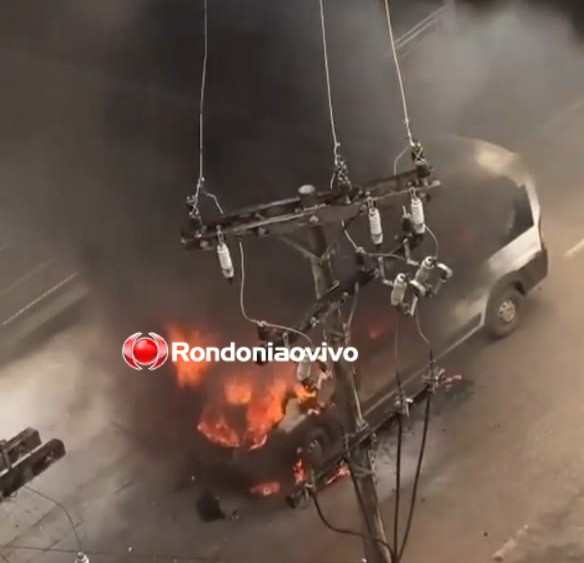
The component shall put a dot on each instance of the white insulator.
(375, 227)
(304, 369)
(417, 215)
(398, 291)
(425, 269)
(225, 260)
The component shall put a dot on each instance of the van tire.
(504, 311)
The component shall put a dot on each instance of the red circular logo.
(140, 351)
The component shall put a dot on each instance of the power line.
(328, 76)
(257, 322)
(396, 507)
(200, 187)
(346, 531)
(405, 110)
(426, 424)
(435, 239)
(201, 178)
(65, 511)
(416, 478)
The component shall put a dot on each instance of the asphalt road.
(503, 455)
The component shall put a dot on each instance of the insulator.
(424, 271)
(398, 291)
(304, 369)
(81, 558)
(418, 221)
(225, 260)
(375, 227)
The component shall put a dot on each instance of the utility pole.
(361, 456)
(312, 211)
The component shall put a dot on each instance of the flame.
(238, 391)
(251, 402)
(342, 471)
(214, 425)
(189, 374)
(303, 394)
(300, 471)
(265, 489)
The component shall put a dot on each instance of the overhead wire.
(201, 189)
(63, 509)
(398, 158)
(405, 110)
(338, 161)
(258, 322)
(435, 240)
(336, 144)
(346, 531)
(398, 462)
(416, 483)
(419, 462)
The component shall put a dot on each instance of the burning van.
(486, 221)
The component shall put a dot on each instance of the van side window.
(521, 216)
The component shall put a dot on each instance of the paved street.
(504, 466)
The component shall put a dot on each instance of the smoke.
(502, 75)
(99, 136)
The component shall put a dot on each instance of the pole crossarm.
(288, 215)
(25, 457)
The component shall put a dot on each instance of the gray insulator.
(225, 260)
(398, 291)
(375, 227)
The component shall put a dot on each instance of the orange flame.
(265, 489)
(214, 425)
(238, 391)
(300, 472)
(252, 401)
(342, 471)
(189, 374)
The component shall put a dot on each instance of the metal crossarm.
(24, 457)
(22, 444)
(285, 216)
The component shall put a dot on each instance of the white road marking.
(40, 298)
(570, 253)
(23, 278)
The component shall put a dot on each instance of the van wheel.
(504, 311)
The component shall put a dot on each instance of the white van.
(487, 220)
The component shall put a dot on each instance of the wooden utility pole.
(361, 456)
(312, 211)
